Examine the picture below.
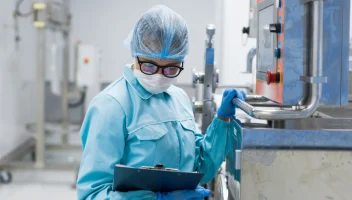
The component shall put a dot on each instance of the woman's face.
(158, 62)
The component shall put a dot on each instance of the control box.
(88, 59)
(280, 51)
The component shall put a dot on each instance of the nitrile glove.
(227, 108)
(198, 193)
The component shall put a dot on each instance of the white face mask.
(156, 83)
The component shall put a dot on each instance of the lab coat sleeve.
(103, 141)
(213, 147)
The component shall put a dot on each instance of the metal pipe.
(256, 98)
(64, 97)
(315, 49)
(65, 73)
(40, 133)
(183, 85)
(269, 104)
(208, 88)
(252, 52)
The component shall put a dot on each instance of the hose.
(80, 101)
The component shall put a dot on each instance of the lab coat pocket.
(149, 143)
(151, 132)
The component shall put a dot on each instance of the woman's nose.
(160, 71)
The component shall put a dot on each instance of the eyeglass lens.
(150, 68)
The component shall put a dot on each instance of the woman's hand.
(198, 193)
(227, 108)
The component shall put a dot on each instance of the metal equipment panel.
(293, 51)
(297, 164)
(332, 61)
(266, 42)
(282, 82)
(295, 174)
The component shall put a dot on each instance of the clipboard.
(156, 179)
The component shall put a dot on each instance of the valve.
(197, 77)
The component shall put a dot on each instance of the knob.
(275, 28)
(272, 77)
(277, 53)
(278, 3)
(197, 77)
(245, 30)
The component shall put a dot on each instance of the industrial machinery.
(210, 79)
(304, 151)
(49, 18)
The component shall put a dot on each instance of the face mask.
(156, 83)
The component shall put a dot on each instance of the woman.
(143, 120)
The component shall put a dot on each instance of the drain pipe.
(313, 77)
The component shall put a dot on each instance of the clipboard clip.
(159, 167)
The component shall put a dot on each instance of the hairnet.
(160, 34)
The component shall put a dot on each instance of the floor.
(39, 185)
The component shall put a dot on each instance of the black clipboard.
(156, 179)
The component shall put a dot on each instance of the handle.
(247, 108)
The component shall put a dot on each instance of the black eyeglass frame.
(159, 67)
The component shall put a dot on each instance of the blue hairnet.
(160, 34)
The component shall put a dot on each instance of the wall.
(234, 54)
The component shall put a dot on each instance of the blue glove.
(227, 108)
(198, 193)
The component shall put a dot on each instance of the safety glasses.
(150, 68)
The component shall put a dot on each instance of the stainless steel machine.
(304, 151)
(49, 17)
(210, 79)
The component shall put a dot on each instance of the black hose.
(18, 12)
(80, 101)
